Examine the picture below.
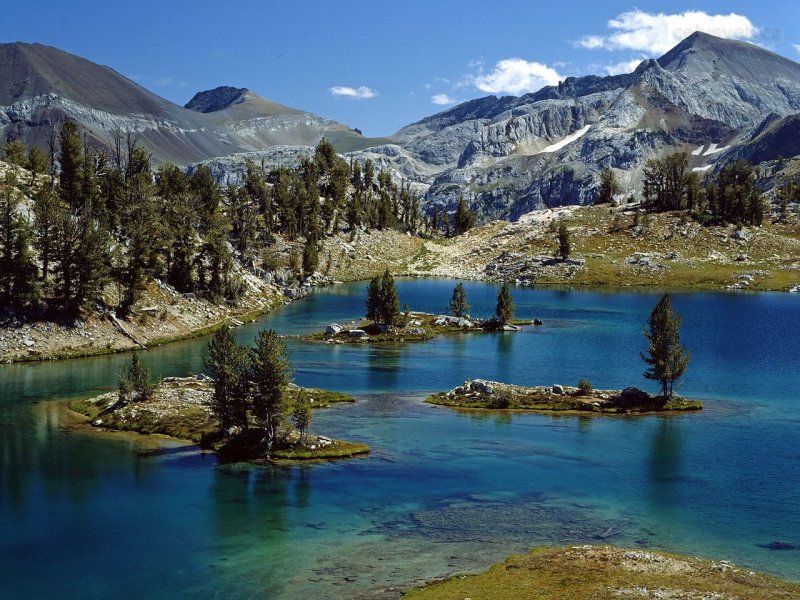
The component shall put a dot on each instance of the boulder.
(481, 387)
(333, 329)
(741, 234)
(538, 322)
(558, 390)
(357, 333)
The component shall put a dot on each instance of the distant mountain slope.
(513, 154)
(40, 86)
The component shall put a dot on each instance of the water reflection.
(665, 471)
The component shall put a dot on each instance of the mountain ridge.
(506, 155)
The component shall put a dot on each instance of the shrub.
(502, 399)
(585, 387)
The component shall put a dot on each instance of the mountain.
(513, 154)
(714, 98)
(40, 86)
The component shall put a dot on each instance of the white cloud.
(516, 76)
(626, 66)
(359, 93)
(442, 99)
(797, 47)
(657, 33)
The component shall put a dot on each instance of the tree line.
(728, 196)
(105, 222)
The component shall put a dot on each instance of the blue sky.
(380, 65)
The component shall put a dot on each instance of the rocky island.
(491, 395)
(415, 327)
(180, 407)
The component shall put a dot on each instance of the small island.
(180, 407)
(492, 395)
(609, 572)
(412, 327)
(385, 323)
(250, 411)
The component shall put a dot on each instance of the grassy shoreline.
(91, 352)
(607, 571)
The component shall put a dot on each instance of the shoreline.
(689, 256)
(600, 571)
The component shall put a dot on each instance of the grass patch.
(606, 572)
(337, 449)
(86, 408)
(322, 398)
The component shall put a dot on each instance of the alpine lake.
(85, 514)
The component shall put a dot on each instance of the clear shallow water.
(88, 516)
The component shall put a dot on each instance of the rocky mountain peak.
(217, 99)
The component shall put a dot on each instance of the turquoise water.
(99, 516)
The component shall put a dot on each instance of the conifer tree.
(564, 244)
(36, 164)
(505, 304)
(310, 257)
(15, 152)
(70, 158)
(45, 214)
(301, 416)
(464, 219)
(135, 382)
(374, 300)
(608, 186)
(269, 372)
(17, 268)
(228, 361)
(458, 303)
(666, 357)
(390, 301)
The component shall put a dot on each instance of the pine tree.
(269, 372)
(390, 301)
(17, 268)
(505, 304)
(464, 219)
(310, 257)
(70, 158)
(135, 382)
(15, 152)
(608, 186)
(36, 164)
(564, 245)
(374, 300)
(45, 214)
(301, 416)
(458, 303)
(667, 358)
(227, 362)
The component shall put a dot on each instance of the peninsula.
(609, 572)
